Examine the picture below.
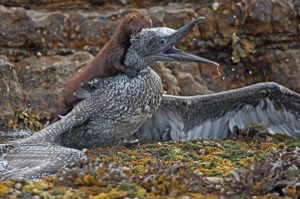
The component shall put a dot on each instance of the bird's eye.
(162, 41)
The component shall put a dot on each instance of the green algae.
(238, 167)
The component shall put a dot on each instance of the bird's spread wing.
(40, 154)
(217, 115)
(38, 160)
(83, 111)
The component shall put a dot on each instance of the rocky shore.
(43, 42)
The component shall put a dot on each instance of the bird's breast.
(140, 97)
(130, 99)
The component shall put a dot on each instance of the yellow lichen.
(114, 193)
(246, 161)
(156, 170)
(3, 190)
(100, 196)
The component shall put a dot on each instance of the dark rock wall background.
(43, 42)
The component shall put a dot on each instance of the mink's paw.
(131, 72)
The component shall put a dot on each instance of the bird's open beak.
(173, 53)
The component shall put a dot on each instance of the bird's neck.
(134, 60)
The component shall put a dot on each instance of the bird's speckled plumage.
(128, 103)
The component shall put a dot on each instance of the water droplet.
(232, 69)
(250, 71)
(223, 77)
(234, 16)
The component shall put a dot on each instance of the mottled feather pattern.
(132, 102)
(215, 116)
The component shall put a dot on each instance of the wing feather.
(38, 160)
(216, 115)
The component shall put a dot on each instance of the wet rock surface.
(11, 93)
(44, 77)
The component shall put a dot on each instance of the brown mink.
(108, 62)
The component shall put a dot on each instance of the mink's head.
(133, 23)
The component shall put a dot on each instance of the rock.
(11, 94)
(170, 82)
(18, 185)
(286, 66)
(44, 77)
(215, 180)
(189, 86)
(177, 78)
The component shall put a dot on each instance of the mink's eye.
(137, 31)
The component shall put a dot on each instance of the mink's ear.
(150, 22)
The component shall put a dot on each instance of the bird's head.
(157, 44)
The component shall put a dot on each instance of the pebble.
(18, 185)
(65, 35)
(202, 151)
(218, 186)
(236, 176)
(216, 180)
(229, 193)
(124, 2)
(177, 150)
(38, 54)
(215, 6)
(185, 197)
(274, 150)
(73, 36)
(77, 29)
(198, 173)
(218, 144)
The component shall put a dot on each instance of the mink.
(108, 62)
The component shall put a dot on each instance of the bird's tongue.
(180, 55)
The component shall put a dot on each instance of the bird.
(108, 62)
(108, 115)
